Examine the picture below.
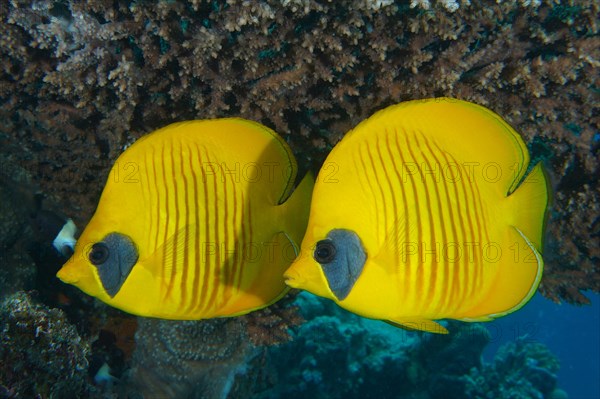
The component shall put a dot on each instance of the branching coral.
(80, 80)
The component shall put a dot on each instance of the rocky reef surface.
(41, 352)
(334, 354)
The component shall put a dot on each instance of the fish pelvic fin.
(417, 324)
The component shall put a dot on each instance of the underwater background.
(80, 81)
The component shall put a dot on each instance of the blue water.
(571, 332)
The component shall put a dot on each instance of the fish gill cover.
(82, 80)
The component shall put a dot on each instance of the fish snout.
(292, 278)
(67, 274)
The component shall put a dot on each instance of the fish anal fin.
(516, 282)
(418, 324)
(476, 319)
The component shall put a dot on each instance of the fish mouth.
(292, 279)
(67, 276)
(67, 279)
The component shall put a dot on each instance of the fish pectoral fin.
(173, 248)
(417, 324)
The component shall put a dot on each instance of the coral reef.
(17, 269)
(41, 353)
(192, 359)
(344, 356)
(445, 359)
(81, 80)
(520, 370)
(332, 359)
(336, 354)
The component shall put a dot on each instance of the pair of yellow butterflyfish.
(421, 212)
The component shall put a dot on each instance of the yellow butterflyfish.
(197, 220)
(423, 212)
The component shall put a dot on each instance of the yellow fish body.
(195, 221)
(421, 213)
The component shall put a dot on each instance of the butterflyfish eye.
(114, 258)
(99, 253)
(325, 252)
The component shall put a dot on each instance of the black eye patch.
(114, 258)
(342, 258)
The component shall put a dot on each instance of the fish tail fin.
(529, 204)
(294, 212)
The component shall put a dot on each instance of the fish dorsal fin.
(271, 162)
(528, 206)
(417, 324)
(477, 139)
